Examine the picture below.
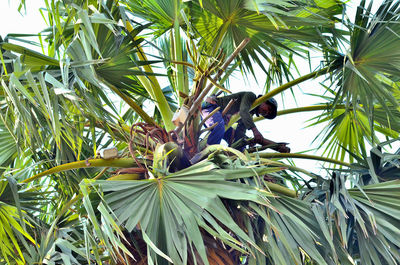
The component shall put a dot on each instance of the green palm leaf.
(186, 201)
(292, 229)
(61, 106)
(9, 150)
(371, 64)
(220, 24)
(364, 219)
(348, 130)
(10, 221)
(381, 215)
(161, 13)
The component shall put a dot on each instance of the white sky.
(13, 22)
(288, 128)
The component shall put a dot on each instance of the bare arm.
(259, 139)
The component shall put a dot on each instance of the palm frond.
(221, 25)
(370, 67)
(11, 220)
(349, 128)
(186, 201)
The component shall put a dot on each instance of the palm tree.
(110, 77)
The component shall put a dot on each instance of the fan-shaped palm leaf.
(223, 25)
(348, 130)
(371, 64)
(186, 201)
(363, 219)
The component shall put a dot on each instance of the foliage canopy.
(113, 73)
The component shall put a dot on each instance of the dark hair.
(274, 108)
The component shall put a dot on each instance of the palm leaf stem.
(282, 88)
(3, 63)
(266, 161)
(303, 156)
(178, 52)
(160, 101)
(303, 109)
(311, 108)
(293, 83)
(97, 162)
(281, 189)
(153, 87)
(186, 64)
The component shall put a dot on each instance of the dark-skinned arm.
(259, 139)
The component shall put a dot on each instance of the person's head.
(268, 109)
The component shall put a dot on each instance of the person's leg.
(229, 135)
(239, 133)
(217, 133)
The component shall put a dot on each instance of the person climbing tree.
(238, 103)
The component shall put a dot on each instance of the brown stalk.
(196, 104)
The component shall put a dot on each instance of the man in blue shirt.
(242, 103)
